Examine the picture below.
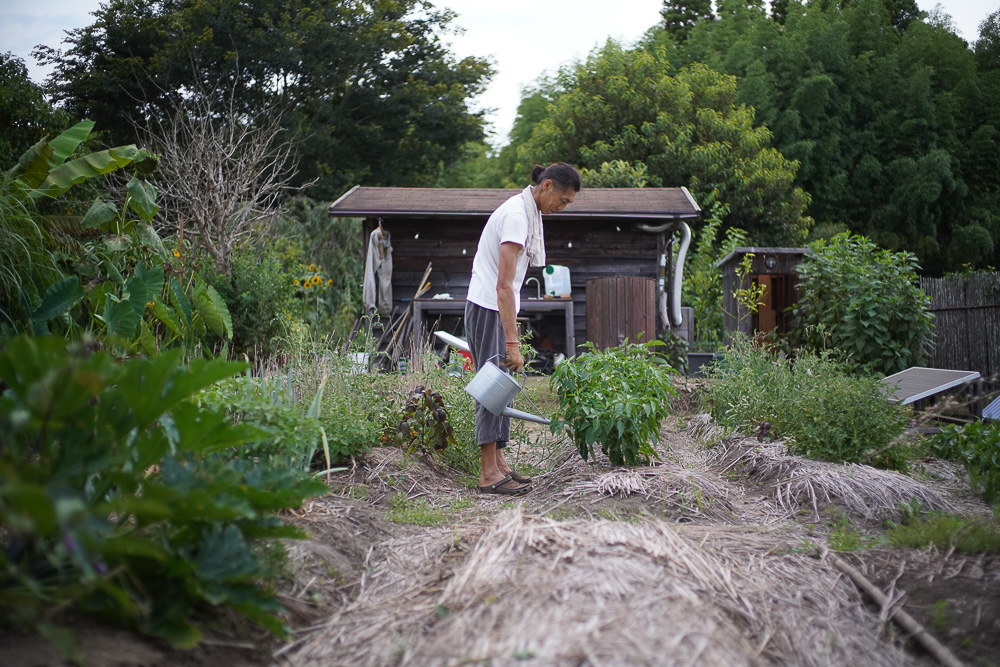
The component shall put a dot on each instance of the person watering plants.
(511, 240)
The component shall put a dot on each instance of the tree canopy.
(25, 116)
(624, 108)
(891, 116)
(367, 88)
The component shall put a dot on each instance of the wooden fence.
(967, 322)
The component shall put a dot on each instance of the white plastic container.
(556, 280)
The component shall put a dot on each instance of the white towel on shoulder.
(535, 245)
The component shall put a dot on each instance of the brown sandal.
(501, 490)
(518, 478)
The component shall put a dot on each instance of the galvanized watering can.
(495, 389)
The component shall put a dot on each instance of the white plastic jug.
(556, 280)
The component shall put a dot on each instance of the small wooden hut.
(604, 233)
(774, 268)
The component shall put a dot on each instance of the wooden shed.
(605, 232)
(777, 270)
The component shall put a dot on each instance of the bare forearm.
(508, 316)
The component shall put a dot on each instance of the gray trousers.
(484, 332)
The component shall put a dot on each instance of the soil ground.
(372, 516)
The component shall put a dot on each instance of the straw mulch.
(795, 483)
(599, 593)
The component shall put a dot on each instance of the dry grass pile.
(386, 471)
(795, 482)
(687, 490)
(599, 592)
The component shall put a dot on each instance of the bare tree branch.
(223, 174)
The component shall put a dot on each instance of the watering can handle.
(519, 384)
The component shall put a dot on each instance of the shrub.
(257, 291)
(864, 301)
(976, 445)
(291, 435)
(117, 498)
(616, 398)
(825, 411)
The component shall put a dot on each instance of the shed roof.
(762, 252)
(646, 203)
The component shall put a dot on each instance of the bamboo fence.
(967, 322)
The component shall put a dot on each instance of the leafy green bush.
(257, 290)
(616, 398)
(976, 445)
(815, 401)
(293, 436)
(109, 264)
(119, 495)
(864, 301)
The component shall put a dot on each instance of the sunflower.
(296, 282)
(329, 282)
(312, 267)
(317, 280)
(307, 285)
(177, 253)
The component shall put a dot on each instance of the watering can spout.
(526, 416)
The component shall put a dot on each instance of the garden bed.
(695, 557)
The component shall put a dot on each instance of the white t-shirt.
(508, 224)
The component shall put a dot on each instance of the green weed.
(977, 446)
(814, 401)
(967, 534)
(414, 511)
(419, 512)
(941, 618)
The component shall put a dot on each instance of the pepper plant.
(615, 398)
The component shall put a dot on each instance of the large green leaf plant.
(121, 496)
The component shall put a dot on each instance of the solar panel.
(992, 410)
(916, 383)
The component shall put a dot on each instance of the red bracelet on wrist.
(513, 342)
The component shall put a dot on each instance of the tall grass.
(814, 401)
(22, 257)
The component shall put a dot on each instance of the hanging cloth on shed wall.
(378, 263)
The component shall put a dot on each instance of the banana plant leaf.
(64, 145)
(62, 178)
(142, 198)
(99, 213)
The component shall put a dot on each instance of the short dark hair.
(560, 172)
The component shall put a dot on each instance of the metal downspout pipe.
(673, 313)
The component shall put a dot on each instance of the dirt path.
(709, 557)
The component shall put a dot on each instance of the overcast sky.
(525, 39)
